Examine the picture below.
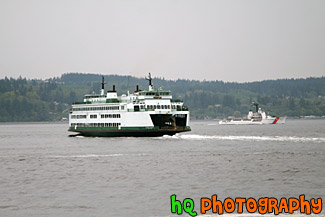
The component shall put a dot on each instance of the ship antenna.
(128, 84)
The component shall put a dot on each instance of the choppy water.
(46, 173)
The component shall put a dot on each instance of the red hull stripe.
(276, 120)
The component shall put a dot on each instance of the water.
(46, 173)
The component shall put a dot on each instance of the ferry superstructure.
(144, 113)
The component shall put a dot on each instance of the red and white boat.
(254, 118)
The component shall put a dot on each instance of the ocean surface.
(44, 172)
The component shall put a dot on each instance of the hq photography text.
(239, 205)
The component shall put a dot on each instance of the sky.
(229, 40)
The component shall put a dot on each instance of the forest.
(24, 99)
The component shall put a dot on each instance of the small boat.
(255, 118)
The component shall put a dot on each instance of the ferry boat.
(143, 113)
(254, 118)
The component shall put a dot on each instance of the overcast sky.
(203, 39)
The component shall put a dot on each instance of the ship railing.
(80, 103)
(184, 108)
(176, 100)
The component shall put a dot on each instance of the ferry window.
(168, 106)
(142, 107)
(158, 106)
(102, 116)
(154, 107)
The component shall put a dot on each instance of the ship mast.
(150, 83)
(102, 92)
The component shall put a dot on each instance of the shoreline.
(192, 120)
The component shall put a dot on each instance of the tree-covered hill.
(50, 100)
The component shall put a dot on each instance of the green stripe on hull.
(85, 131)
(112, 128)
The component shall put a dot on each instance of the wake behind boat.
(255, 118)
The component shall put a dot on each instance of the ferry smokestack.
(102, 92)
(137, 89)
(113, 87)
(103, 82)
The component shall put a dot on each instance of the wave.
(86, 155)
(22, 158)
(247, 138)
(95, 155)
